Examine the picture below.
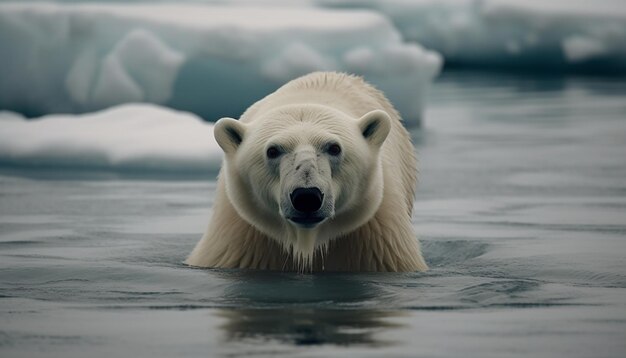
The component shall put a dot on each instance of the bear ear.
(375, 126)
(228, 133)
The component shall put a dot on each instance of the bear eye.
(272, 152)
(334, 149)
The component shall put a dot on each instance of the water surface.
(521, 210)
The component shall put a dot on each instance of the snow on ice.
(136, 137)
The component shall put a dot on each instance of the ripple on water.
(451, 252)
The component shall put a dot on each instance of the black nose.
(307, 200)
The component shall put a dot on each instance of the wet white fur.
(371, 229)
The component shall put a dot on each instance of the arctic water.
(521, 210)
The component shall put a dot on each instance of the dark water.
(521, 210)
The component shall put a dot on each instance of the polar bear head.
(304, 174)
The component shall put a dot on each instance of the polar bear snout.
(307, 200)
(305, 192)
(307, 207)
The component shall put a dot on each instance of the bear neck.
(303, 247)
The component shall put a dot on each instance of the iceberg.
(129, 137)
(536, 35)
(209, 59)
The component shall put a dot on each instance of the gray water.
(521, 211)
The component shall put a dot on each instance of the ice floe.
(536, 35)
(212, 60)
(135, 137)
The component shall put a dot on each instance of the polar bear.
(319, 175)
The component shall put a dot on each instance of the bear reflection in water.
(315, 309)
(302, 326)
